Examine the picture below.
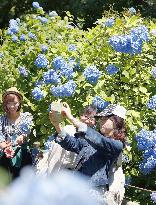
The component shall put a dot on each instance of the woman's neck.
(13, 117)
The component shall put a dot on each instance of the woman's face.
(12, 103)
(106, 126)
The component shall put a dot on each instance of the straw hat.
(12, 90)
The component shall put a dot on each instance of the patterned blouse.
(10, 131)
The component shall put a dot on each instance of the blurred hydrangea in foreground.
(61, 189)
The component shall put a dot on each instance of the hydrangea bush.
(50, 58)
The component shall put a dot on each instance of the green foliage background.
(131, 86)
(86, 10)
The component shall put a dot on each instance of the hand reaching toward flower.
(66, 111)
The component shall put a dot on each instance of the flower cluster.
(42, 19)
(23, 71)
(27, 123)
(64, 68)
(140, 33)
(44, 48)
(66, 90)
(36, 5)
(151, 104)
(111, 69)
(32, 36)
(48, 144)
(71, 47)
(146, 141)
(41, 61)
(53, 14)
(153, 72)
(37, 93)
(1, 55)
(23, 37)
(92, 74)
(99, 103)
(153, 32)
(109, 22)
(58, 63)
(132, 10)
(153, 196)
(132, 43)
(13, 27)
(51, 77)
(14, 38)
(39, 83)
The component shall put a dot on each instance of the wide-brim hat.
(12, 90)
(113, 109)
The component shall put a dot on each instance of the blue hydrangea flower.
(9, 32)
(146, 141)
(13, 27)
(99, 103)
(131, 43)
(32, 35)
(92, 74)
(1, 55)
(140, 33)
(109, 22)
(35, 5)
(67, 71)
(13, 30)
(111, 69)
(37, 93)
(23, 37)
(51, 77)
(40, 8)
(23, 71)
(18, 20)
(44, 48)
(125, 44)
(58, 62)
(48, 144)
(132, 10)
(53, 14)
(153, 196)
(66, 90)
(43, 20)
(71, 47)
(149, 163)
(153, 72)
(14, 38)
(153, 32)
(41, 61)
(39, 83)
(151, 104)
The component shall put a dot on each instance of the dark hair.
(88, 109)
(10, 97)
(120, 130)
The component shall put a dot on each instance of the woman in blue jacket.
(97, 151)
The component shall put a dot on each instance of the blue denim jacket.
(96, 153)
